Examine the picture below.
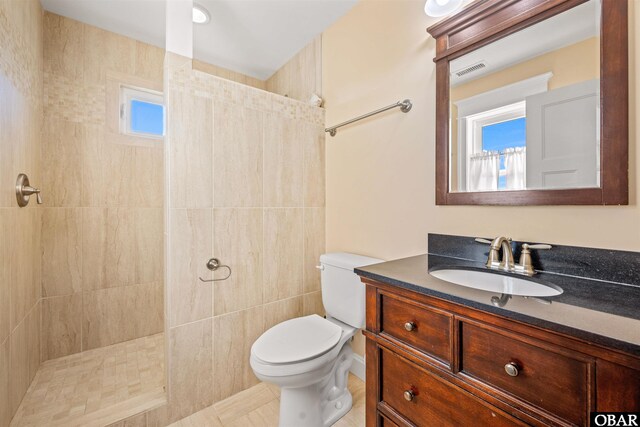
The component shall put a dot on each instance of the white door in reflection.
(563, 138)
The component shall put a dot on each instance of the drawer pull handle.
(410, 326)
(512, 369)
(409, 395)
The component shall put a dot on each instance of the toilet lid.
(297, 340)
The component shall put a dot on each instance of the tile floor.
(96, 387)
(259, 407)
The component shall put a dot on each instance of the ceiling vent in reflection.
(471, 69)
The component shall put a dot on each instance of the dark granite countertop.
(602, 312)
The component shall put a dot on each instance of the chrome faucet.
(524, 266)
(507, 263)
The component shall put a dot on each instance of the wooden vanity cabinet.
(431, 362)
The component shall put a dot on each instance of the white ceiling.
(564, 29)
(253, 37)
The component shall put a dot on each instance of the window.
(141, 112)
(480, 117)
(495, 131)
(501, 136)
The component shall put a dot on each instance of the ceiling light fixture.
(200, 14)
(438, 8)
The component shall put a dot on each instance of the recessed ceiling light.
(437, 8)
(200, 14)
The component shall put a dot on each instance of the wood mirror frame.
(485, 21)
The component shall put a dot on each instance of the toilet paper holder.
(214, 264)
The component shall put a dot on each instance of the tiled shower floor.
(96, 387)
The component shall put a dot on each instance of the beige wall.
(301, 76)
(20, 124)
(246, 185)
(570, 64)
(381, 172)
(102, 222)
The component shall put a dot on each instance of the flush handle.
(512, 369)
(410, 326)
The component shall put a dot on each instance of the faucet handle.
(525, 266)
(536, 246)
(481, 240)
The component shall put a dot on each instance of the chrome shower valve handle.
(24, 191)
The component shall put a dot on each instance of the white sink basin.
(487, 281)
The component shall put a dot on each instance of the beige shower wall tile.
(282, 162)
(33, 339)
(191, 140)
(279, 311)
(61, 326)
(108, 247)
(238, 243)
(102, 51)
(63, 46)
(149, 250)
(6, 230)
(283, 241)
(228, 74)
(25, 266)
(121, 314)
(7, 131)
(148, 177)
(149, 62)
(237, 156)
(121, 246)
(61, 251)
(312, 304)
(94, 163)
(313, 146)
(62, 147)
(234, 335)
(190, 247)
(5, 391)
(158, 417)
(301, 75)
(314, 246)
(191, 377)
(117, 166)
(19, 374)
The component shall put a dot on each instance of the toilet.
(309, 357)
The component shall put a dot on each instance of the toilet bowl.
(309, 357)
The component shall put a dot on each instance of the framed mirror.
(532, 103)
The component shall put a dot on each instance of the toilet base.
(320, 404)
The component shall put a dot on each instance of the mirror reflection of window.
(525, 108)
(508, 139)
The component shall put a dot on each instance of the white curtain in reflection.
(515, 162)
(484, 170)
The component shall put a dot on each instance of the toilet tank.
(342, 291)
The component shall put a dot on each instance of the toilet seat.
(297, 340)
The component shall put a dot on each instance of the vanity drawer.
(419, 326)
(543, 375)
(433, 401)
